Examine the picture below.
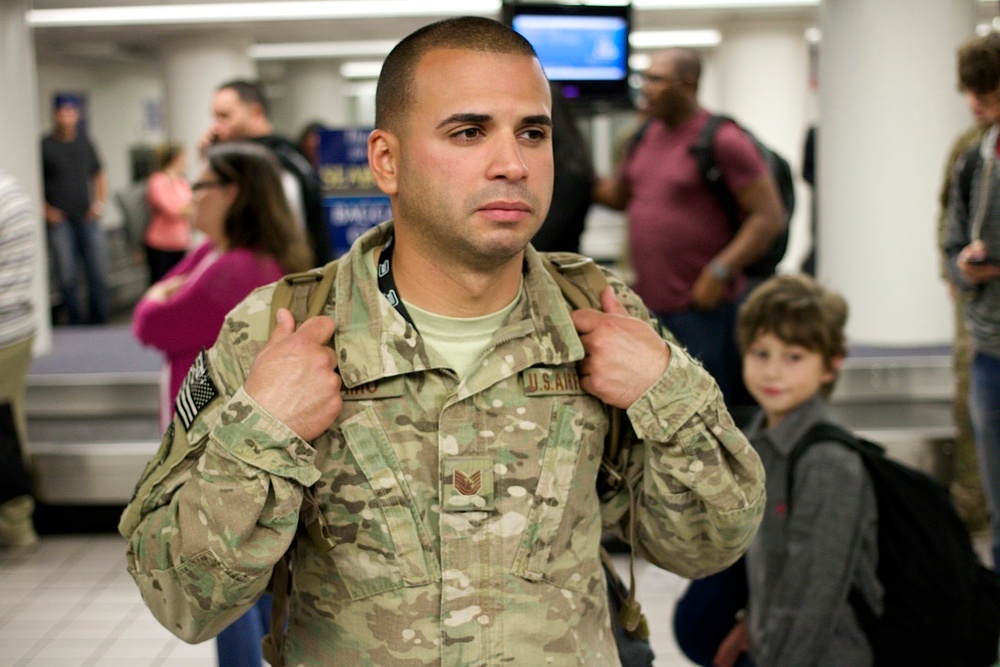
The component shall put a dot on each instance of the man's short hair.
(248, 92)
(394, 93)
(979, 65)
(798, 311)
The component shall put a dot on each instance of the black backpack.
(703, 152)
(941, 605)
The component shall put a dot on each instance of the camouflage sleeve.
(698, 484)
(219, 505)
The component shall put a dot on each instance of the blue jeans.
(706, 613)
(710, 337)
(84, 239)
(984, 410)
(239, 644)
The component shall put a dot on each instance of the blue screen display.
(577, 48)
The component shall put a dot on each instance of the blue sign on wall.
(352, 202)
(348, 217)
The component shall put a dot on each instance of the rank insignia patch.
(196, 392)
(468, 483)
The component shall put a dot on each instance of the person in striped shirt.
(18, 248)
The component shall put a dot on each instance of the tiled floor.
(68, 602)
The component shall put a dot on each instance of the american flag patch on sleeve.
(196, 392)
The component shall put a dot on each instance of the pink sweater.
(167, 199)
(191, 318)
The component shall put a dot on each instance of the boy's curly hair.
(798, 311)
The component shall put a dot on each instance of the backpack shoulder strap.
(966, 167)
(579, 278)
(821, 432)
(827, 432)
(703, 150)
(867, 619)
(305, 295)
(634, 139)
(582, 282)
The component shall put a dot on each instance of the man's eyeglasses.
(202, 185)
(656, 79)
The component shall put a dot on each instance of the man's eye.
(468, 133)
(535, 134)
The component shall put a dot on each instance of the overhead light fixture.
(661, 39)
(314, 50)
(361, 69)
(235, 12)
(722, 4)
(299, 50)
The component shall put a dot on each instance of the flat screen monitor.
(584, 48)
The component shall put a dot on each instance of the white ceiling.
(139, 42)
(111, 43)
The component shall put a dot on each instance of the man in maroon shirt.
(687, 255)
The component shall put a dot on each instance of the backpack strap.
(825, 432)
(634, 139)
(966, 167)
(867, 619)
(305, 295)
(703, 150)
(582, 282)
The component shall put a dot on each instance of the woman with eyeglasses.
(252, 239)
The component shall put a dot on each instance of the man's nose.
(507, 160)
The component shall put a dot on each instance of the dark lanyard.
(387, 285)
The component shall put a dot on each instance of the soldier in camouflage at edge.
(455, 469)
(966, 487)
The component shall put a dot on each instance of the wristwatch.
(719, 271)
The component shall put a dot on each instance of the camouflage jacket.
(464, 515)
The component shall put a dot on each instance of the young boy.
(803, 562)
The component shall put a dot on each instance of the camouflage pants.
(966, 487)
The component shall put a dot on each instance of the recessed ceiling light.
(290, 10)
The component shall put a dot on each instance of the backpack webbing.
(306, 294)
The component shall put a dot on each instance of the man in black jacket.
(239, 111)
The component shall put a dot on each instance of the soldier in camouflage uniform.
(459, 492)
(965, 486)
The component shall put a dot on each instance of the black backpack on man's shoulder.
(941, 605)
(703, 152)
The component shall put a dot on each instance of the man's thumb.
(284, 325)
(610, 303)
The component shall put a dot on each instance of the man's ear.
(383, 160)
(256, 110)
